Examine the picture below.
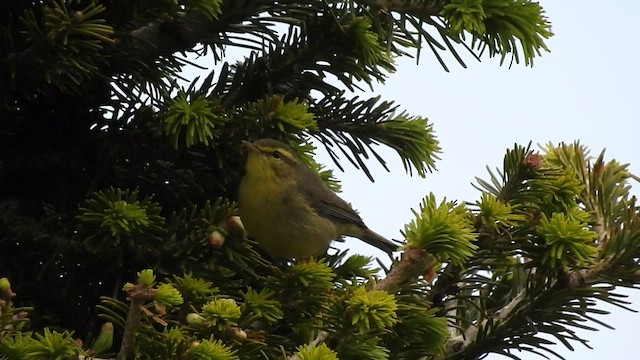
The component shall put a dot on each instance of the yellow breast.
(280, 219)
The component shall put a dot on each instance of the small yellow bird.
(289, 211)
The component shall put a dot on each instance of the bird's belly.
(289, 238)
(293, 230)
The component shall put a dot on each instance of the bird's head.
(271, 160)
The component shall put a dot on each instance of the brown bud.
(234, 227)
(160, 308)
(216, 239)
(195, 319)
(22, 315)
(429, 274)
(598, 167)
(532, 161)
(77, 17)
(237, 333)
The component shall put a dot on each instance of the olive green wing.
(329, 205)
(334, 207)
(325, 202)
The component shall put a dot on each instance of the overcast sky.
(586, 89)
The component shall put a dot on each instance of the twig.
(182, 31)
(320, 338)
(579, 278)
(137, 294)
(414, 261)
(419, 9)
(574, 280)
(446, 281)
(133, 319)
(470, 335)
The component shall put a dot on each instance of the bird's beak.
(250, 147)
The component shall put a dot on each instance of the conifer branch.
(470, 335)
(130, 329)
(419, 9)
(165, 36)
(413, 263)
(579, 278)
(446, 281)
(184, 30)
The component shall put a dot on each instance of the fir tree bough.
(118, 229)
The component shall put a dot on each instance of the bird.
(289, 211)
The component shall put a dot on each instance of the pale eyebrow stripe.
(268, 149)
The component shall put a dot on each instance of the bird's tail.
(372, 238)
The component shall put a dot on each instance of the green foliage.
(168, 295)
(499, 25)
(211, 349)
(167, 344)
(467, 15)
(211, 8)
(221, 312)
(13, 320)
(15, 342)
(104, 341)
(567, 242)
(71, 40)
(568, 188)
(312, 273)
(356, 266)
(494, 214)
(552, 262)
(366, 42)
(232, 323)
(306, 287)
(193, 288)
(414, 140)
(444, 230)
(110, 215)
(419, 331)
(286, 116)
(261, 305)
(358, 348)
(51, 346)
(15, 347)
(146, 277)
(192, 119)
(313, 352)
(412, 137)
(371, 311)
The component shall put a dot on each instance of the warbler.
(286, 207)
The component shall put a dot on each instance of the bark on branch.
(413, 263)
(419, 9)
(183, 31)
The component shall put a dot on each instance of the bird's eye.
(276, 155)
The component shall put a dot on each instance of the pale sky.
(586, 89)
